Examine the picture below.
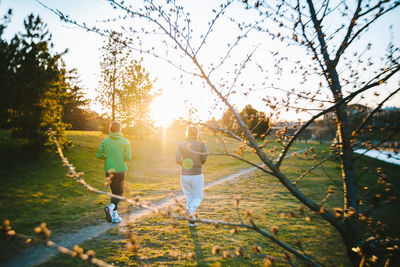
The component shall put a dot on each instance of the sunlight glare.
(165, 109)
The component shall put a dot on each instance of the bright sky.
(84, 54)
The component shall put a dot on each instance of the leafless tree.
(329, 59)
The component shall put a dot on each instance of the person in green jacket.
(115, 150)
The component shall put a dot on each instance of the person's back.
(191, 155)
(190, 160)
(115, 149)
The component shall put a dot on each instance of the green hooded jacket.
(115, 150)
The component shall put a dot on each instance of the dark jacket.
(191, 162)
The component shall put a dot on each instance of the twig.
(254, 227)
(338, 103)
(78, 252)
(136, 202)
(378, 144)
(330, 178)
(370, 114)
(312, 168)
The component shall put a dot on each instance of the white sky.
(84, 53)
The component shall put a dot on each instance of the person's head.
(192, 132)
(115, 127)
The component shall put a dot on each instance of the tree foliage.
(36, 86)
(126, 89)
(136, 94)
(255, 120)
(6, 52)
(76, 112)
(113, 59)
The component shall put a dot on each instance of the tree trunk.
(346, 158)
(113, 78)
(350, 234)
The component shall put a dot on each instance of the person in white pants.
(191, 155)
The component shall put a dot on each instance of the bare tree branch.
(44, 233)
(254, 227)
(220, 12)
(345, 43)
(371, 114)
(313, 168)
(331, 108)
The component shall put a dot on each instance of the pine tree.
(75, 103)
(5, 71)
(38, 86)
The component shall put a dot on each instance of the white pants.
(192, 187)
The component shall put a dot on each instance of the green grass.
(162, 243)
(35, 189)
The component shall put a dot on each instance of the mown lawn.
(35, 189)
(164, 241)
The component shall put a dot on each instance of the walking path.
(40, 254)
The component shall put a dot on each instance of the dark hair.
(115, 127)
(192, 132)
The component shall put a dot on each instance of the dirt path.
(40, 254)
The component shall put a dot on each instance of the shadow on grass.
(197, 247)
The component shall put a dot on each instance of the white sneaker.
(109, 211)
(115, 217)
(192, 223)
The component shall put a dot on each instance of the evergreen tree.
(74, 103)
(5, 71)
(38, 85)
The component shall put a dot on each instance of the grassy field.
(35, 189)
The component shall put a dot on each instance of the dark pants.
(117, 186)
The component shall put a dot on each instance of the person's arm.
(178, 155)
(203, 157)
(100, 151)
(127, 152)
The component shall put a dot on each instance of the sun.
(165, 109)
